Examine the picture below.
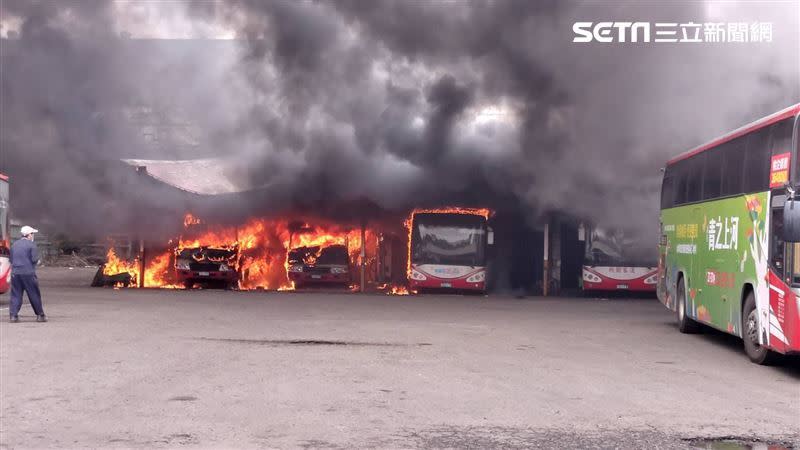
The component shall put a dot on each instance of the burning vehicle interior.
(317, 265)
(272, 254)
(207, 265)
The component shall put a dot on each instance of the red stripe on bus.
(3, 177)
(753, 126)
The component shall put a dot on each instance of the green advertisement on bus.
(729, 252)
(717, 247)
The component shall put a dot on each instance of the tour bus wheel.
(685, 323)
(755, 351)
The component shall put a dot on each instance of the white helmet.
(26, 230)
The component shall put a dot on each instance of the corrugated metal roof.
(209, 176)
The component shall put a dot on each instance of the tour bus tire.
(756, 352)
(685, 323)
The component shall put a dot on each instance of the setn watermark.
(719, 32)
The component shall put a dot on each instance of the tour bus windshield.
(448, 239)
(617, 248)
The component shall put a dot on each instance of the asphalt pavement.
(218, 369)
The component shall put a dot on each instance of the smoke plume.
(394, 104)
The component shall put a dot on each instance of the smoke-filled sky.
(399, 103)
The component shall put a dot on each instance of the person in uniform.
(24, 257)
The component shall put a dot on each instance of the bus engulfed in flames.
(254, 255)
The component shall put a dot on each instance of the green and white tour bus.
(728, 258)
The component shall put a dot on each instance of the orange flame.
(156, 273)
(398, 290)
(115, 266)
(189, 219)
(261, 249)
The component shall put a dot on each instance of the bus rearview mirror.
(791, 221)
(490, 237)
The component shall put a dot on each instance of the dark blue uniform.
(24, 258)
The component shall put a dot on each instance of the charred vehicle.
(207, 266)
(319, 265)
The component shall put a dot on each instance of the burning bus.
(319, 265)
(258, 254)
(207, 266)
(322, 256)
(448, 248)
(204, 258)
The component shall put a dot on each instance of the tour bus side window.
(667, 190)
(712, 174)
(679, 190)
(694, 183)
(733, 155)
(756, 168)
(781, 137)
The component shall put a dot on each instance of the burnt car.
(207, 266)
(317, 266)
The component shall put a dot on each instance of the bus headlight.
(224, 267)
(590, 277)
(182, 264)
(338, 269)
(477, 278)
(652, 279)
(296, 268)
(417, 276)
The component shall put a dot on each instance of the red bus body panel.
(784, 317)
(319, 278)
(183, 276)
(608, 278)
(446, 282)
(5, 243)
(5, 275)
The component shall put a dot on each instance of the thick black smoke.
(389, 103)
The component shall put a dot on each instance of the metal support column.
(141, 263)
(546, 276)
(363, 254)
